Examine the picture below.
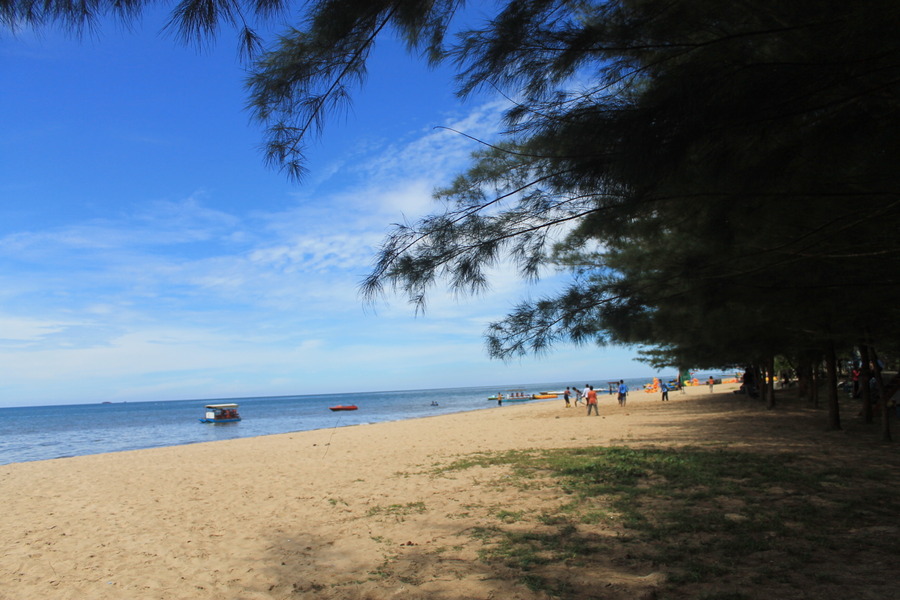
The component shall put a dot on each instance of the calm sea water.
(45, 432)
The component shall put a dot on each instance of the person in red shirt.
(592, 401)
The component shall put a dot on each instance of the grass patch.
(510, 516)
(699, 515)
(397, 510)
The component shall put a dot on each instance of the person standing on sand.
(711, 383)
(566, 397)
(584, 394)
(664, 388)
(623, 392)
(592, 402)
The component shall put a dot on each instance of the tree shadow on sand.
(729, 502)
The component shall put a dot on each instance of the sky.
(148, 253)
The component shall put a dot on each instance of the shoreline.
(320, 511)
(43, 433)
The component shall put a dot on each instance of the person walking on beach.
(623, 392)
(592, 402)
(664, 388)
(566, 397)
(584, 394)
(711, 383)
(577, 391)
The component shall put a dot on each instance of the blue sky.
(147, 253)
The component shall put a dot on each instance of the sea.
(50, 432)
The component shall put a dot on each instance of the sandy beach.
(355, 512)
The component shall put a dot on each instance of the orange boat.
(343, 407)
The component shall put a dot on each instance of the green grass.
(695, 514)
(397, 510)
(510, 516)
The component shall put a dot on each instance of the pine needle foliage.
(720, 178)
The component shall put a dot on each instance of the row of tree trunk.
(810, 383)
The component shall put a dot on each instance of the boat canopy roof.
(221, 406)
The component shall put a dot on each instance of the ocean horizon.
(31, 433)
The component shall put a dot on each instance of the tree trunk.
(804, 377)
(834, 414)
(759, 373)
(816, 382)
(882, 398)
(865, 374)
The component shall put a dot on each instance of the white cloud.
(28, 329)
(188, 299)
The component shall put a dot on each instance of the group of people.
(589, 396)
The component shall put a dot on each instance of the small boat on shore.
(343, 407)
(511, 396)
(221, 413)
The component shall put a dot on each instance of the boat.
(221, 413)
(343, 407)
(511, 396)
(543, 396)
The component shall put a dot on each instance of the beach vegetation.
(510, 516)
(382, 572)
(397, 510)
(718, 178)
(707, 519)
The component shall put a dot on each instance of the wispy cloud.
(189, 299)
